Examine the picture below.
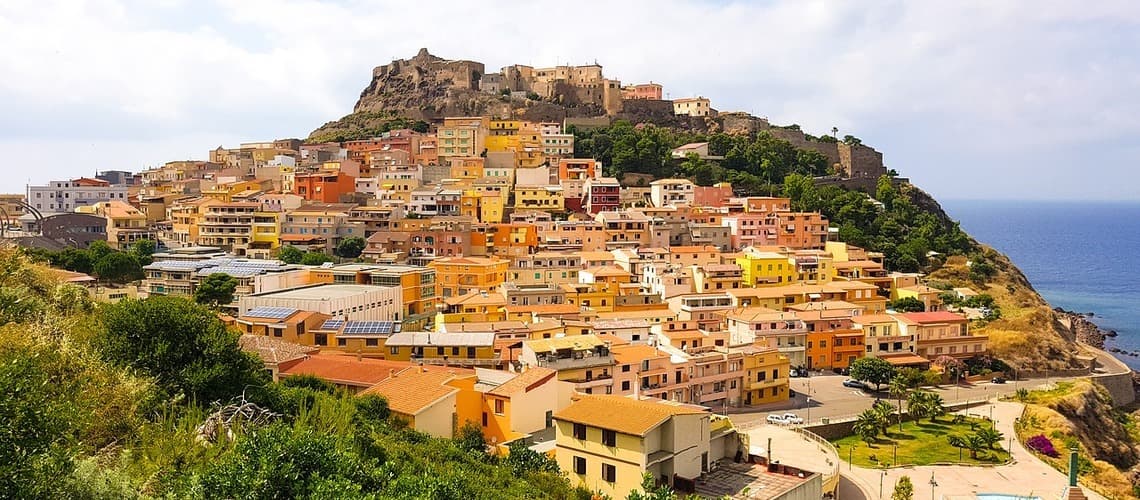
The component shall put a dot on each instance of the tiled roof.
(346, 370)
(413, 390)
(934, 317)
(622, 414)
(272, 350)
(635, 353)
(525, 381)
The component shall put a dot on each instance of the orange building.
(833, 342)
(801, 230)
(327, 187)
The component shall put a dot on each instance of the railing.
(456, 361)
(570, 363)
(830, 478)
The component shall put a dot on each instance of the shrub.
(1042, 445)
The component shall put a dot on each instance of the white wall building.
(671, 192)
(352, 302)
(65, 196)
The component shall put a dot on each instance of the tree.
(866, 425)
(351, 247)
(935, 407)
(872, 370)
(99, 249)
(315, 258)
(183, 345)
(290, 254)
(422, 127)
(885, 410)
(470, 438)
(143, 250)
(975, 444)
(898, 389)
(650, 490)
(958, 442)
(907, 304)
(522, 459)
(216, 289)
(118, 267)
(916, 405)
(904, 489)
(989, 436)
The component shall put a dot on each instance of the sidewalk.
(1025, 476)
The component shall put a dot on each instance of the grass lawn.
(918, 444)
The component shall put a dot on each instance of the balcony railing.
(575, 362)
(456, 361)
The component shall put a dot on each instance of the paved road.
(830, 399)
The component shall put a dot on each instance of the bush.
(1042, 445)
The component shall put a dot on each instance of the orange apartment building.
(324, 187)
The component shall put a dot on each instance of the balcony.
(586, 383)
(577, 361)
(712, 396)
(455, 361)
(765, 384)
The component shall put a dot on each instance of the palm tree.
(917, 405)
(884, 410)
(975, 444)
(957, 442)
(989, 436)
(835, 132)
(935, 407)
(866, 425)
(898, 389)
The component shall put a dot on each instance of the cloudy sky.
(970, 99)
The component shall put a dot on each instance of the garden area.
(956, 439)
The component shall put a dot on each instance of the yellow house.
(599, 296)
(930, 297)
(473, 307)
(459, 275)
(547, 198)
(447, 349)
(435, 402)
(467, 168)
(518, 404)
(125, 223)
(485, 206)
(766, 375)
(607, 443)
(760, 268)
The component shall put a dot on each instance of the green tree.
(216, 289)
(989, 436)
(885, 410)
(872, 370)
(99, 249)
(907, 304)
(471, 439)
(315, 258)
(350, 248)
(904, 489)
(183, 345)
(143, 250)
(421, 126)
(917, 405)
(118, 267)
(898, 389)
(867, 426)
(958, 442)
(280, 462)
(290, 254)
(650, 490)
(523, 460)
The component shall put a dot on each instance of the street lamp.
(850, 456)
(882, 475)
(808, 421)
(933, 484)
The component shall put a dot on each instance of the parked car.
(998, 380)
(792, 418)
(776, 419)
(854, 383)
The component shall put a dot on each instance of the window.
(625, 385)
(579, 465)
(471, 352)
(341, 342)
(484, 419)
(579, 431)
(499, 407)
(394, 350)
(372, 342)
(609, 438)
(625, 368)
(454, 351)
(609, 473)
(439, 351)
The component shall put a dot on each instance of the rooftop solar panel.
(369, 327)
(332, 324)
(270, 312)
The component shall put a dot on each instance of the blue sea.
(1079, 255)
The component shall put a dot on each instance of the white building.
(352, 302)
(691, 106)
(65, 196)
(671, 192)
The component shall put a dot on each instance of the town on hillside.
(478, 272)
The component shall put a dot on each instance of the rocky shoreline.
(1090, 333)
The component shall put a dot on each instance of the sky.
(1033, 100)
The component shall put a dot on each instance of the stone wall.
(860, 161)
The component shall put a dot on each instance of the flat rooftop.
(733, 480)
(322, 292)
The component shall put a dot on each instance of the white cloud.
(945, 90)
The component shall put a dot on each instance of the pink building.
(651, 91)
(712, 196)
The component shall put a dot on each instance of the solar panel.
(270, 312)
(369, 327)
(332, 324)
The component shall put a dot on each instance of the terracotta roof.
(826, 305)
(346, 370)
(614, 340)
(525, 381)
(636, 353)
(755, 314)
(866, 319)
(623, 414)
(607, 271)
(273, 351)
(413, 390)
(904, 359)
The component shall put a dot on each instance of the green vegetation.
(364, 125)
(290, 254)
(907, 304)
(122, 401)
(872, 371)
(350, 248)
(315, 258)
(753, 163)
(101, 261)
(920, 443)
(900, 228)
(216, 289)
(904, 489)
